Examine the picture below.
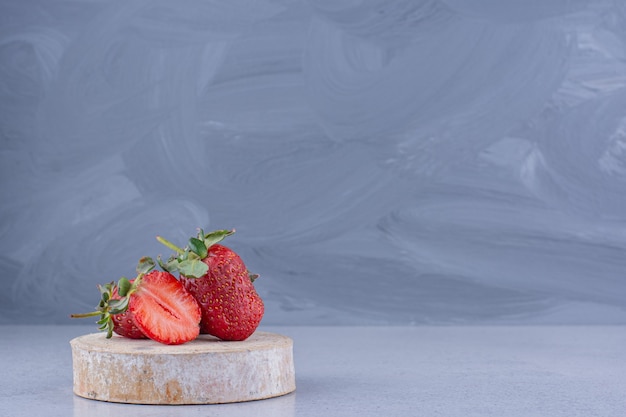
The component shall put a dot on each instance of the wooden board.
(204, 371)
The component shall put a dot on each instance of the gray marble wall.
(383, 162)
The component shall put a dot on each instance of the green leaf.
(170, 266)
(216, 236)
(123, 285)
(121, 308)
(145, 265)
(105, 288)
(118, 306)
(198, 247)
(193, 268)
(106, 324)
(110, 329)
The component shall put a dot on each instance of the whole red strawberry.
(154, 305)
(221, 284)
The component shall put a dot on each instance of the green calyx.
(108, 306)
(188, 261)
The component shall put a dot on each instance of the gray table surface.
(367, 371)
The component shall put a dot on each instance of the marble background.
(383, 162)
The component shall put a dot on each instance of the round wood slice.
(203, 371)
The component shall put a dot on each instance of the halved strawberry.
(163, 310)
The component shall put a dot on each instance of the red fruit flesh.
(231, 307)
(163, 310)
(123, 324)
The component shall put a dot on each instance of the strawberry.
(113, 306)
(123, 323)
(155, 305)
(221, 284)
(163, 309)
(113, 312)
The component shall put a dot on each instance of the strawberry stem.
(85, 315)
(170, 245)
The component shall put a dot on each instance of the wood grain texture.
(204, 371)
